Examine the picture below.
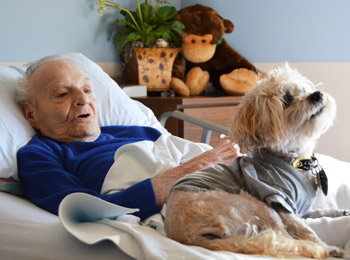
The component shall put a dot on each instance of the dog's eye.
(287, 100)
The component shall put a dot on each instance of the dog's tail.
(269, 243)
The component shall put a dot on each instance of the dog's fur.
(285, 115)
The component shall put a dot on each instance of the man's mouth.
(83, 115)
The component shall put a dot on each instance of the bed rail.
(207, 126)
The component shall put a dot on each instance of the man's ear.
(29, 114)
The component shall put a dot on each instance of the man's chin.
(88, 137)
(85, 135)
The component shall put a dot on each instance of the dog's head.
(284, 113)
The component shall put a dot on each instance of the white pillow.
(14, 129)
(115, 108)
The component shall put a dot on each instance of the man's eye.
(88, 91)
(287, 100)
(60, 95)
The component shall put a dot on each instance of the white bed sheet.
(30, 233)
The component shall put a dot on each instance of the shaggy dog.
(254, 205)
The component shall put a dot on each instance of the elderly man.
(71, 153)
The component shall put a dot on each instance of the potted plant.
(148, 27)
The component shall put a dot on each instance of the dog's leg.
(332, 213)
(297, 229)
(269, 243)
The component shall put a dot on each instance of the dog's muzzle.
(315, 97)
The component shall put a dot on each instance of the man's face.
(63, 106)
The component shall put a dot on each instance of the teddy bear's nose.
(316, 97)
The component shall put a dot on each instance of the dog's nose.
(316, 97)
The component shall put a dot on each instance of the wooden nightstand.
(215, 109)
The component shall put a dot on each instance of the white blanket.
(92, 220)
(138, 161)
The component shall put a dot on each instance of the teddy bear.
(207, 57)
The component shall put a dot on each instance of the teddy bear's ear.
(228, 26)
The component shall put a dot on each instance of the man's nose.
(81, 98)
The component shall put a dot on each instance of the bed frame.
(206, 125)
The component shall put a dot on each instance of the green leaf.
(147, 12)
(120, 40)
(136, 17)
(177, 26)
(166, 13)
(150, 39)
(126, 15)
(132, 37)
(166, 35)
(148, 28)
(123, 13)
(129, 21)
(160, 29)
(128, 24)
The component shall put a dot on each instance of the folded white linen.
(92, 220)
(141, 160)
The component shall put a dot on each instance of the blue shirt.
(50, 170)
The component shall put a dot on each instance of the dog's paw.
(335, 252)
(346, 212)
(331, 212)
(340, 213)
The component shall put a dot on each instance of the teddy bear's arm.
(179, 68)
(229, 59)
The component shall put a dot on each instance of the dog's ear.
(258, 122)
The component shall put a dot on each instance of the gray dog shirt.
(264, 175)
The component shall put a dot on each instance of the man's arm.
(47, 182)
(162, 183)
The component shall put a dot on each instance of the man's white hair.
(24, 90)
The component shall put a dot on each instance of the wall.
(312, 35)
(293, 30)
(36, 28)
(33, 29)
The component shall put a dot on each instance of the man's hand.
(225, 152)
